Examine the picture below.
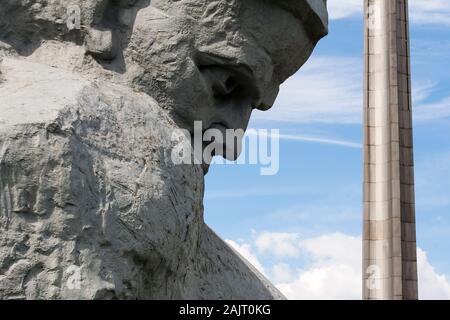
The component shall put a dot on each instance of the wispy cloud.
(312, 139)
(423, 12)
(423, 90)
(341, 9)
(433, 180)
(321, 140)
(424, 109)
(327, 90)
(430, 12)
(432, 111)
(259, 192)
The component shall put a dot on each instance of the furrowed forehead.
(313, 14)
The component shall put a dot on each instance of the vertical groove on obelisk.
(395, 107)
(409, 253)
(389, 260)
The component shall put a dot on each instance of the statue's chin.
(225, 151)
(205, 168)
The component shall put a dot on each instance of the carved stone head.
(211, 61)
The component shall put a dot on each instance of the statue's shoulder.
(229, 275)
(33, 93)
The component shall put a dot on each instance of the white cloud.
(336, 247)
(333, 268)
(432, 286)
(245, 251)
(333, 273)
(337, 282)
(279, 244)
(282, 273)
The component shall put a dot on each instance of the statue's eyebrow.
(265, 93)
(208, 59)
(205, 59)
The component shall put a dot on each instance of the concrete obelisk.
(389, 248)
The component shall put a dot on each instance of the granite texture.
(91, 205)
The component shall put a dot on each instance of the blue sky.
(302, 227)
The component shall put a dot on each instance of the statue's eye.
(228, 84)
(227, 79)
(231, 83)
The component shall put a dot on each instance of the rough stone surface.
(91, 205)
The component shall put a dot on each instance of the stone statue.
(90, 93)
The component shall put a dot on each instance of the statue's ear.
(108, 22)
(101, 44)
(99, 19)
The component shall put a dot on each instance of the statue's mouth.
(222, 126)
(221, 129)
(226, 138)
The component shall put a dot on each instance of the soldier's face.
(215, 61)
(210, 61)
